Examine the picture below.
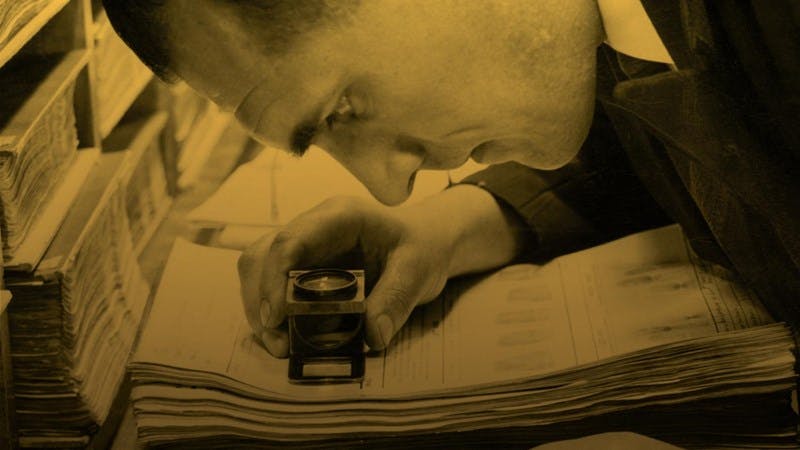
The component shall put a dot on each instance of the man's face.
(404, 86)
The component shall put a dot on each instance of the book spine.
(7, 408)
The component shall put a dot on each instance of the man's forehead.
(271, 94)
(212, 52)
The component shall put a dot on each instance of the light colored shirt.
(630, 31)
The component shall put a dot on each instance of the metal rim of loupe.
(331, 346)
(302, 291)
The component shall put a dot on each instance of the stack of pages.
(636, 334)
(15, 14)
(74, 320)
(38, 140)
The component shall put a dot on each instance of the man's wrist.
(480, 233)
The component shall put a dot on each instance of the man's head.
(388, 87)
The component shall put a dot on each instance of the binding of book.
(636, 334)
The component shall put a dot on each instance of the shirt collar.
(629, 30)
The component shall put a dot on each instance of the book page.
(650, 289)
(522, 321)
(197, 323)
(512, 324)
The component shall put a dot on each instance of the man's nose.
(385, 165)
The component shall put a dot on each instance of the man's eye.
(343, 113)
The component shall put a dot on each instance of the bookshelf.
(70, 84)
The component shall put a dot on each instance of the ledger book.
(637, 334)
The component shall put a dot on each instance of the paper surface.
(522, 321)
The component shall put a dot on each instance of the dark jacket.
(713, 145)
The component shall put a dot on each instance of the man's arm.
(595, 198)
(408, 254)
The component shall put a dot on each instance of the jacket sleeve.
(595, 198)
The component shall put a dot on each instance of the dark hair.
(144, 25)
(141, 24)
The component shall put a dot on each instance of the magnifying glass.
(326, 314)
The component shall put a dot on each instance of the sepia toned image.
(391, 224)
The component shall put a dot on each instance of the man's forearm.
(483, 233)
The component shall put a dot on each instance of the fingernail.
(265, 337)
(264, 313)
(267, 341)
(385, 329)
(274, 341)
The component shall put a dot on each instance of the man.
(700, 113)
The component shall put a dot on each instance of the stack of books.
(38, 143)
(74, 320)
(637, 335)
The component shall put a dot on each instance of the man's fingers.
(399, 289)
(276, 341)
(312, 239)
(250, 267)
(317, 238)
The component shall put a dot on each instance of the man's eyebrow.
(302, 137)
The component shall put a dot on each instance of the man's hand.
(408, 254)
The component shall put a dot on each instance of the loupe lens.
(325, 284)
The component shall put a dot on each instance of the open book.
(635, 334)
